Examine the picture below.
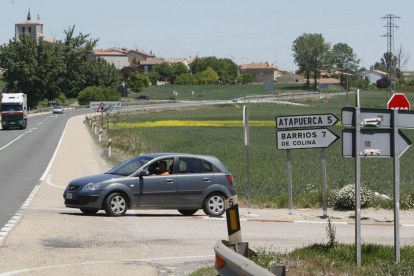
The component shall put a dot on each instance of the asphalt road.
(24, 156)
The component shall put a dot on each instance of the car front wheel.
(116, 205)
(214, 205)
(187, 212)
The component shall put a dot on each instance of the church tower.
(30, 27)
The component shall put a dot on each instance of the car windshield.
(130, 166)
(11, 107)
(57, 107)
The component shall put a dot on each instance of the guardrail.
(301, 95)
(230, 263)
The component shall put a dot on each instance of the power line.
(390, 43)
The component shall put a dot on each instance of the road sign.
(374, 143)
(301, 121)
(381, 118)
(95, 105)
(398, 101)
(305, 138)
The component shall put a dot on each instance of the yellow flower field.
(177, 123)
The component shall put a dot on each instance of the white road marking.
(102, 262)
(12, 222)
(49, 181)
(11, 142)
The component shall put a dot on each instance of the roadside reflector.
(233, 220)
(220, 262)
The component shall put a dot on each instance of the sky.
(244, 31)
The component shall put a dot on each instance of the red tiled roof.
(106, 53)
(48, 40)
(153, 61)
(257, 66)
(381, 72)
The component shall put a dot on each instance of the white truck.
(13, 110)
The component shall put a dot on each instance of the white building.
(32, 28)
(373, 75)
(119, 59)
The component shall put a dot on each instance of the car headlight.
(91, 186)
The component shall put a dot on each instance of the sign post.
(304, 139)
(357, 182)
(246, 143)
(389, 142)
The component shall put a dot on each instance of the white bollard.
(110, 148)
(100, 135)
(95, 128)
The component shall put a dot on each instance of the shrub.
(137, 82)
(95, 93)
(345, 197)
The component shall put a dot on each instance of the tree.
(95, 93)
(247, 78)
(154, 77)
(186, 79)
(76, 51)
(345, 59)
(208, 76)
(127, 70)
(34, 69)
(226, 69)
(197, 66)
(165, 70)
(310, 54)
(402, 59)
(98, 72)
(178, 68)
(137, 82)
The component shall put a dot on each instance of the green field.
(212, 92)
(268, 164)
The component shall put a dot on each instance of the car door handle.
(169, 181)
(206, 179)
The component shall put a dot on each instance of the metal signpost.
(304, 139)
(105, 106)
(246, 143)
(385, 143)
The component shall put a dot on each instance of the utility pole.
(390, 44)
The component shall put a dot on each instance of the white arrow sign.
(305, 138)
(95, 105)
(301, 121)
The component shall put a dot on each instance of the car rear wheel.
(89, 212)
(214, 205)
(116, 205)
(187, 212)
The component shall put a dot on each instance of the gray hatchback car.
(186, 182)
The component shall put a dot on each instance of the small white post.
(110, 148)
(100, 135)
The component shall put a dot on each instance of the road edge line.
(5, 231)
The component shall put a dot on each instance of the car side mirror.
(144, 173)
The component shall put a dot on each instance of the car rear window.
(193, 165)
